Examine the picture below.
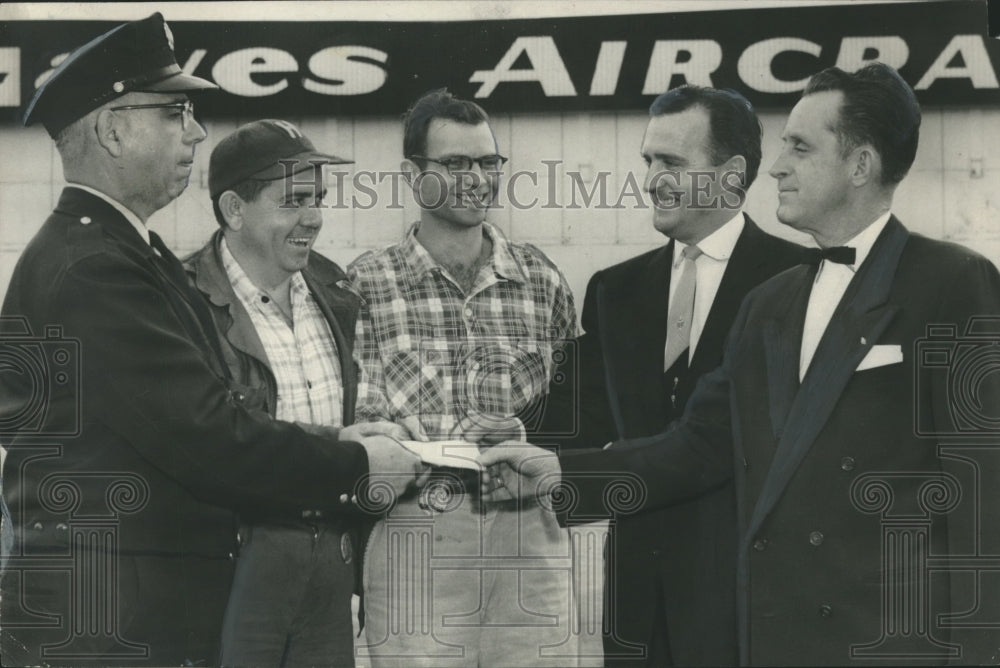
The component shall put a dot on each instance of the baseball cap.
(254, 150)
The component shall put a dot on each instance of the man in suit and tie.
(653, 325)
(858, 528)
(123, 491)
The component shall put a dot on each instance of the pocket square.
(881, 356)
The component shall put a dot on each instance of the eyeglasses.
(184, 109)
(463, 163)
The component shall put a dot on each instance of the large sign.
(562, 64)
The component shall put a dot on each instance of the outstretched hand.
(517, 470)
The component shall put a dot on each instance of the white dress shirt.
(716, 249)
(137, 223)
(828, 289)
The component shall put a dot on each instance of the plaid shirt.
(303, 357)
(427, 349)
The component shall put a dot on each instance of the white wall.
(940, 198)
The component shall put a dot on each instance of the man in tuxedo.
(653, 325)
(124, 483)
(860, 526)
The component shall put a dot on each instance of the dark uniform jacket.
(861, 539)
(123, 486)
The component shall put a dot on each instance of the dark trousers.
(291, 598)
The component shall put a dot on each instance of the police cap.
(133, 57)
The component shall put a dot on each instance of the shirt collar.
(243, 286)
(719, 244)
(136, 222)
(502, 260)
(863, 241)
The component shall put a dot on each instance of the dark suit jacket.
(842, 504)
(138, 395)
(679, 561)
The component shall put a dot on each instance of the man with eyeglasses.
(457, 333)
(123, 491)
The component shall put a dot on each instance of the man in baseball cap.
(124, 512)
(286, 322)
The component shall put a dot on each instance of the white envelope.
(453, 454)
(881, 356)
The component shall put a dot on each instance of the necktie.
(682, 310)
(838, 254)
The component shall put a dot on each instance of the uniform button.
(746, 463)
(344, 498)
(118, 86)
(438, 538)
(85, 220)
(238, 396)
(816, 538)
(37, 526)
(62, 527)
(231, 557)
(760, 544)
(825, 610)
(655, 553)
(847, 463)
(306, 514)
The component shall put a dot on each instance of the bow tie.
(838, 254)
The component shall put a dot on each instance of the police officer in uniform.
(123, 498)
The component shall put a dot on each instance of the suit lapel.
(782, 337)
(746, 267)
(633, 338)
(857, 323)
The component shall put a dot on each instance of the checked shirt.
(430, 352)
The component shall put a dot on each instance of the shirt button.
(344, 498)
(309, 384)
(847, 463)
(816, 538)
(825, 610)
(760, 544)
(468, 313)
(265, 298)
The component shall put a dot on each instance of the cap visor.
(176, 84)
(303, 161)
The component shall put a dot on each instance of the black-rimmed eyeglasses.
(463, 163)
(184, 109)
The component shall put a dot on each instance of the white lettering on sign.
(754, 65)
(976, 65)
(339, 72)
(233, 71)
(856, 52)
(10, 76)
(547, 68)
(703, 56)
(193, 61)
(609, 66)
